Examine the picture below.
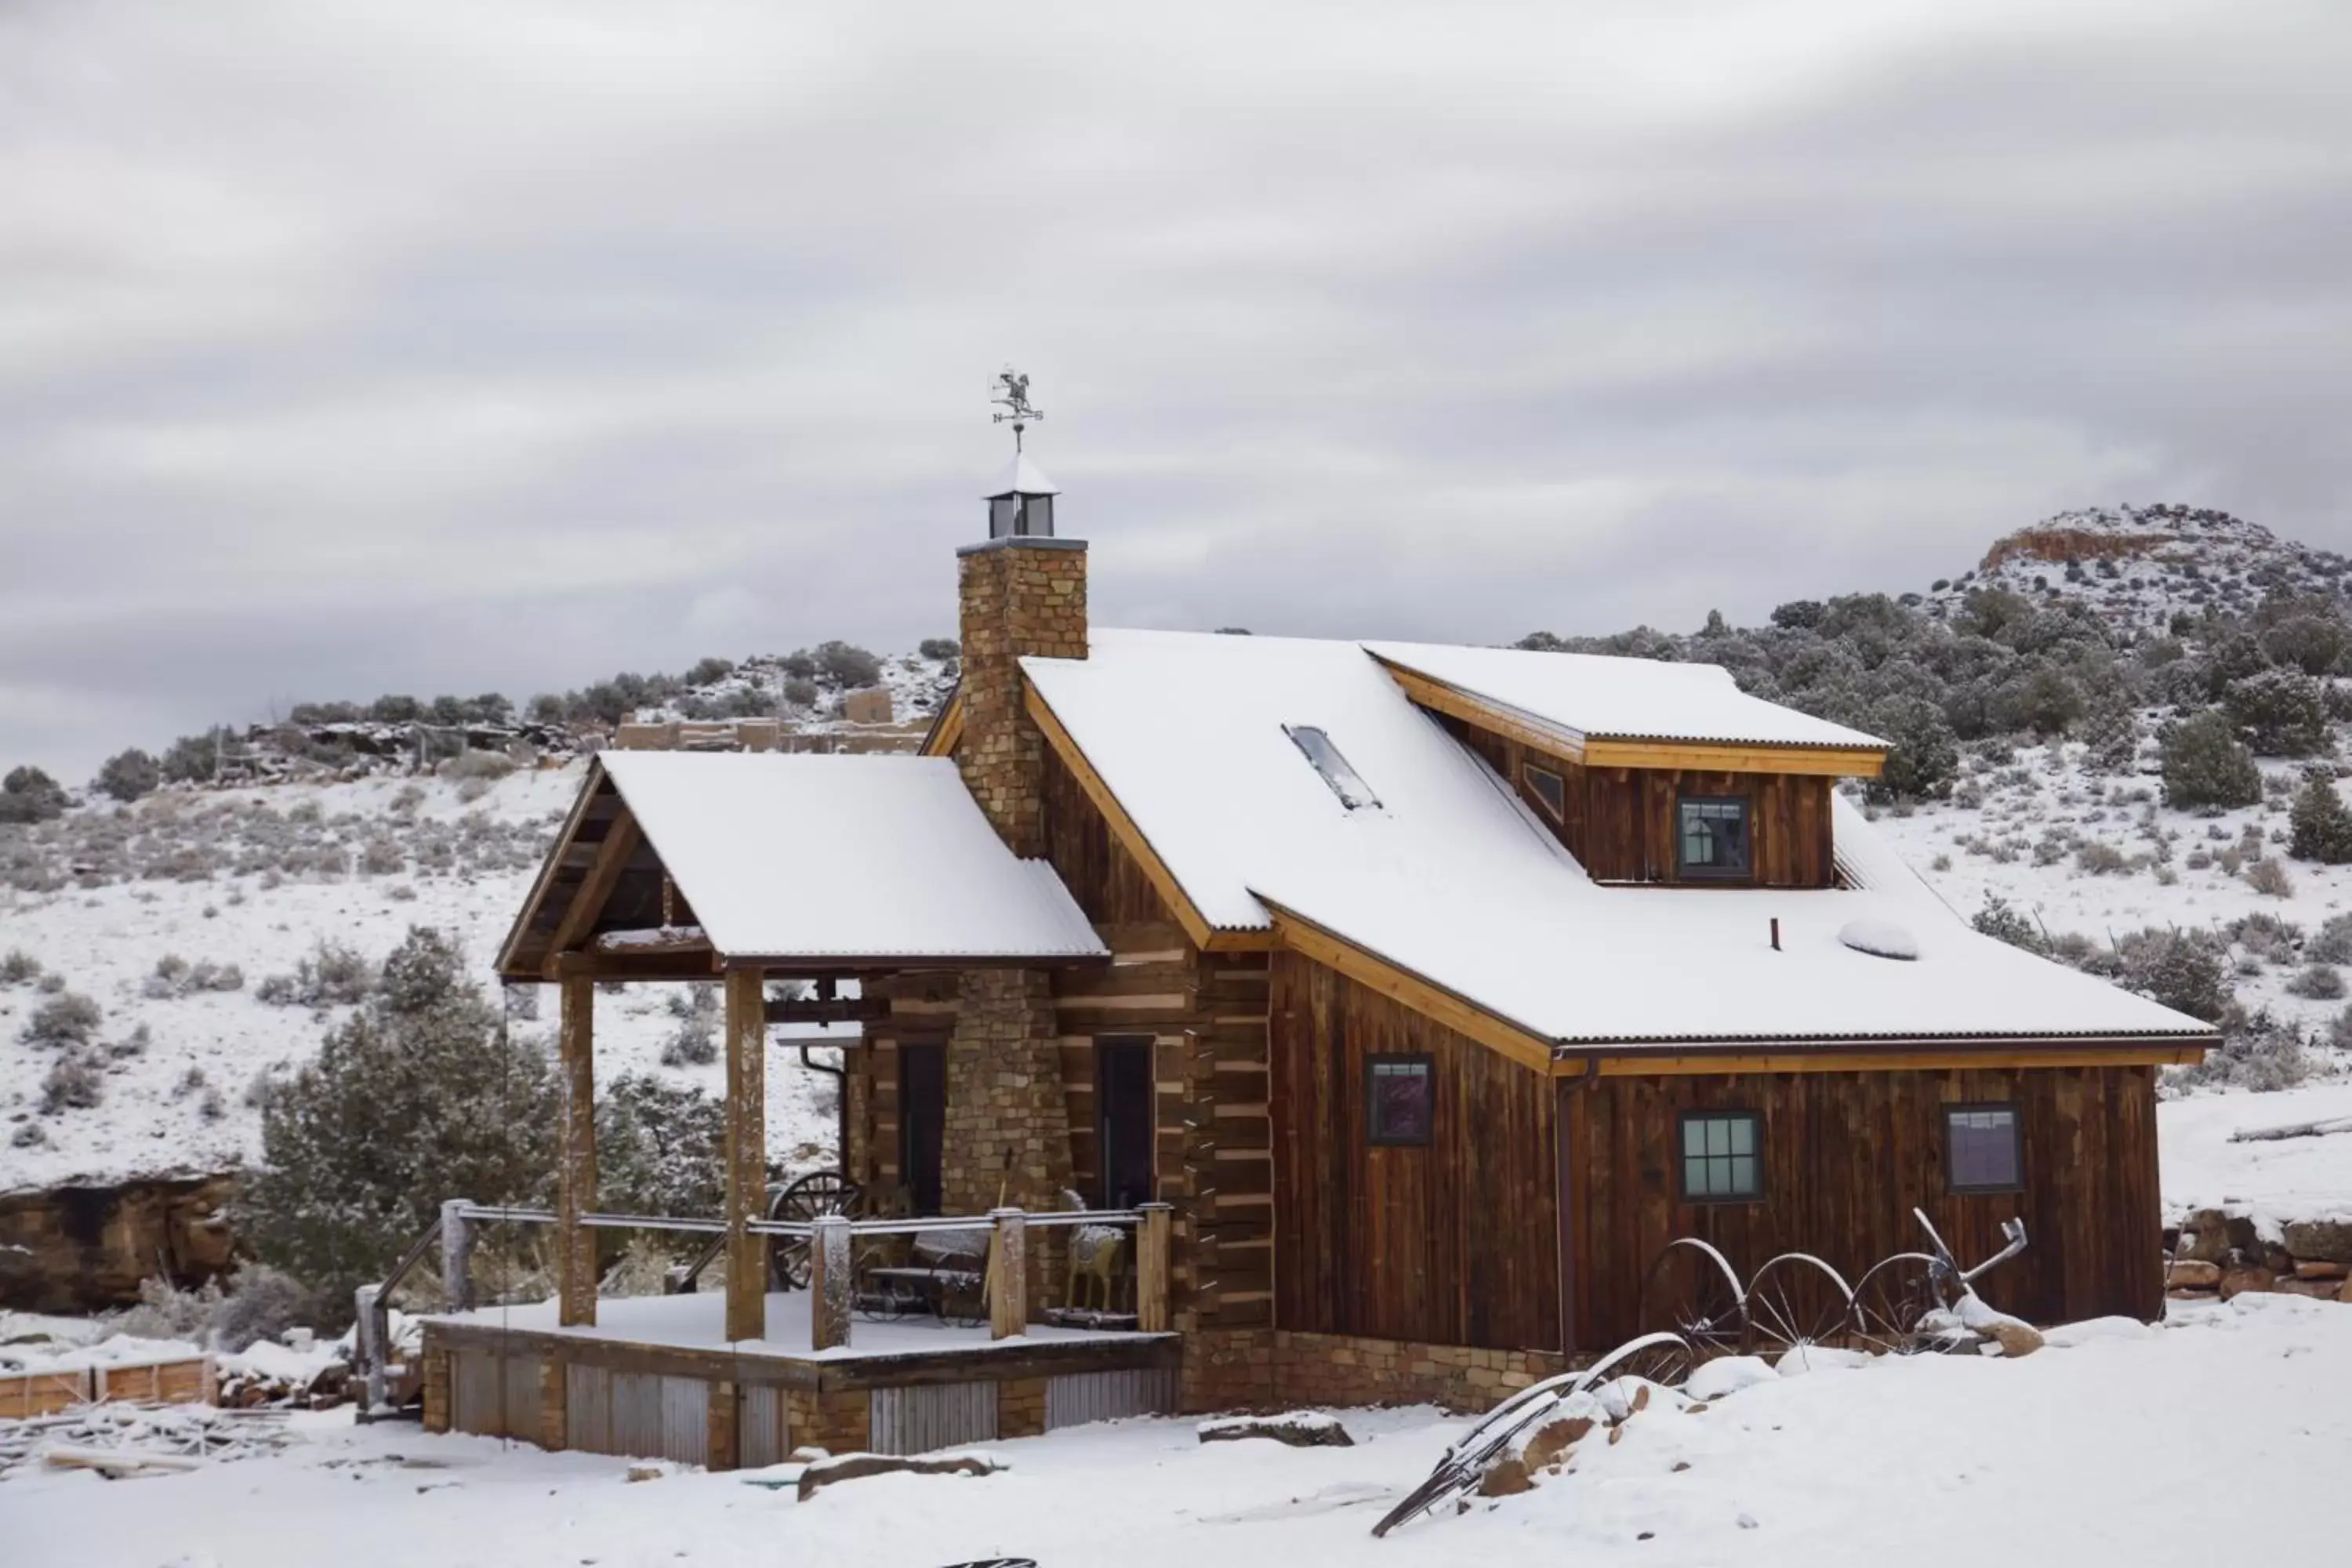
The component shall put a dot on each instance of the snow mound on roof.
(1879, 938)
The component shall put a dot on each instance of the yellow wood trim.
(1661, 1064)
(1155, 870)
(1836, 762)
(620, 841)
(947, 729)
(548, 868)
(1457, 703)
(1429, 999)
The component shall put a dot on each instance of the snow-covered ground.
(2098, 1451)
(105, 943)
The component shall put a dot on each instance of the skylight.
(1353, 792)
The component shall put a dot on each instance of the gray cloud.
(348, 347)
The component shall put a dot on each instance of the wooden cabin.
(1432, 990)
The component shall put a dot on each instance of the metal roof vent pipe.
(1776, 933)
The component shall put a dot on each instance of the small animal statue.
(1097, 1260)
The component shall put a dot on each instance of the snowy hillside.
(2140, 566)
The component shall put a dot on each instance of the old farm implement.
(1695, 1307)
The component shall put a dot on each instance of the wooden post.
(831, 1287)
(368, 1337)
(457, 1256)
(1008, 1264)
(746, 1154)
(575, 1245)
(1151, 1268)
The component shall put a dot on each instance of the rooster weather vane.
(1010, 392)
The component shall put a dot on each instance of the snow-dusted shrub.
(129, 774)
(2258, 1052)
(330, 975)
(417, 1097)
(261, 1303)
(2319, 982)
(2112, 733)
(2269, 877)
(168, 979)
(940, 647)
(29, 1135)
(2100, 859)
(1997, 919)
(209, 976)
(694, 1044)
(2181, 970)
(1926, 756)
(76, 1081)
(2204, 765)
(2321, 821)
(472, 764)
(18, 967)
(69, 1018)
(799, 692)
(382, 857)
(170, 1311)
(133, 1044)
(28, 796)
(2314, 643)
(2339, 1030)
(2332, 943)
(658, 1150)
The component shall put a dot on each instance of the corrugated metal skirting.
(642, 1414)
(763, 1432)
(936, 1416)
(1075, 1398)
(495, 1395)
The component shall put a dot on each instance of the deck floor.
(697, 1323)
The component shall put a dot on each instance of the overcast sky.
(356, 348)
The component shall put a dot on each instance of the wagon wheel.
(1797, 1301)
(817, 1193)
(1891, 1300)
(1692, 1291)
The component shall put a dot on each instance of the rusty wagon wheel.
(1797, 1301)
(1891, 1300)
(817, 1193)
(1691, 1290)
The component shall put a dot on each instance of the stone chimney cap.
(1023, 477)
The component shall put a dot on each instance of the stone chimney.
(1024, 592)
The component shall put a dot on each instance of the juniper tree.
(419, 1096)
(2205, 765)
(2321, 823)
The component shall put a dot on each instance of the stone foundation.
(1276, 1368)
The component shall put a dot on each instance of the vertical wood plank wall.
(1847, 1155)
(1454, 1243)
(1620, 822)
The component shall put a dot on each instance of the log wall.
(1452, 1243)
(1847, 1155)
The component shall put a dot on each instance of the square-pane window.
(1711, 836)
(1400, 1099)
(1981, 1152)
(1549, 788)
(1722, 1156)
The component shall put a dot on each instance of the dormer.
(1648, 772)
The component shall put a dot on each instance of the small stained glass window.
(1981, 1149)
(1549, 789)
(1722, 1156)
(1711, 837)
(1401, 1096)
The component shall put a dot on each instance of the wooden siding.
(1102, 877)
(1620, 822)
(1847, 1156)
(1455, 1242)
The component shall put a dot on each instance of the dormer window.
(1712, 838)
(1353, 792)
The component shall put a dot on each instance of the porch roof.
(781, 858)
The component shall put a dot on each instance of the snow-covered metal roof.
(787, 855)
(1022, 477)
(1600, 696)
(1450, 877)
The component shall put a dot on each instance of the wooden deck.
(656, 1378)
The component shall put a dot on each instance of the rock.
(2321, 1240)
(854, 1467)
(2015, 1339)
(646, 1472)
(1554, 1438)
(809, 1454)
(2242, 1277)
(1507, 1475)
(2191, 1274)
(2319, 1268)
(2344, 1294)
(2316, 1289)
(1299, 1429)
(2205, 1236)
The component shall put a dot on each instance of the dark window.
(1550, 788)
(1711, 835)
(922, 1121)
(1123, 1094)
(1722, 1156)
(1981, 1149)
(1400, 1098)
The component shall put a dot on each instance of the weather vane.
(1010, 393)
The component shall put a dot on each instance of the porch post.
(575, 1245)
(1151, 1268)
(746, 1154)
(457, 1255)
(831, 1287)
(1008, 1274)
